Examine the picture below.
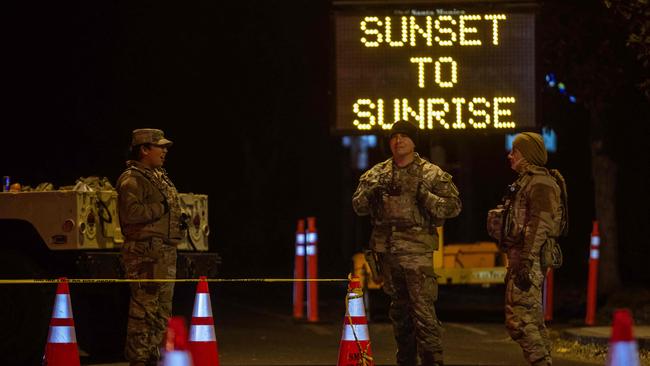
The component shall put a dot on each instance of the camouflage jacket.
(403, 220)
(533, 215)
(148, 204)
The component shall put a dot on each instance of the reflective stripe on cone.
(360, 330)
(202, 306)
(62, 334)
(177, 358)
(623, 354)
(202, 333)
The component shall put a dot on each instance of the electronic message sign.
(450, 69)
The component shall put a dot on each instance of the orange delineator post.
(548, 295)
(312, 270)
(299, 272)
(592, 282)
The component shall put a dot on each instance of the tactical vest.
(515, 209)
(159, 179)
(399, 204)
(400, 224)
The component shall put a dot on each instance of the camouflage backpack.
(551, 253)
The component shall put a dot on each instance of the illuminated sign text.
(457, 70)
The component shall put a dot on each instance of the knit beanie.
(405, 128)
(531, 146)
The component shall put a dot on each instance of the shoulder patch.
(542, 196)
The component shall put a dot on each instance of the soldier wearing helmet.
(407, 197)
(150, 218)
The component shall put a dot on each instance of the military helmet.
(149, 136)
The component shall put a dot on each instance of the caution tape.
(131, 280)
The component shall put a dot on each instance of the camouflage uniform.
(150, 218)
(533, 216)
(404, 236)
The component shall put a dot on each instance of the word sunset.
(462, 70)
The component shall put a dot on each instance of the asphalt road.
(256, 328)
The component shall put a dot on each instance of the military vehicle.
(478, 263)
(74, 232)
(471, 264)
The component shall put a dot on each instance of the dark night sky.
(242, 89)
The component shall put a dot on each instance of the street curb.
(598, 335)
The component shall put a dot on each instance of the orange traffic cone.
(175, 350)
(623, 349)
(203, 342)
(61, 348)
(355, 340)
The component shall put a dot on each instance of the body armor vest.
(400, 206)
(161, 181)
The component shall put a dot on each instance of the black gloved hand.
(375, 190)
(522, 275)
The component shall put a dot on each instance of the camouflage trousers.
(525, 318)
(151, 303)
(410, 282)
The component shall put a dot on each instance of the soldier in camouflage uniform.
(532, 214)
(407, 197)
(150, 218)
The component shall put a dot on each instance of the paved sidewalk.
(600, 335)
